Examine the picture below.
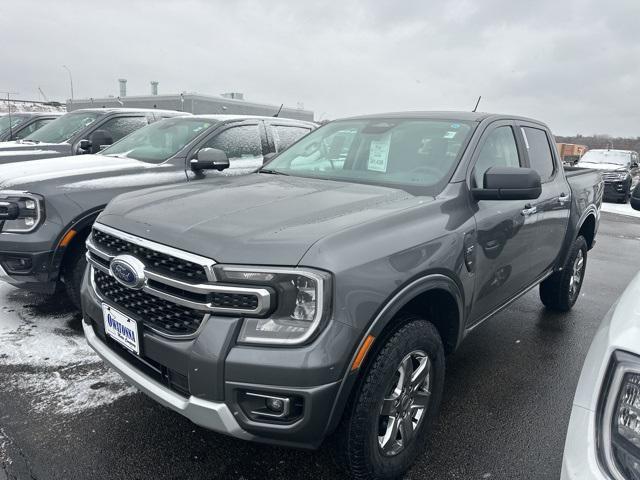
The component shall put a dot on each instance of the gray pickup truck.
(19, 125)
(81, 132)
(47, 206)
(320, 294)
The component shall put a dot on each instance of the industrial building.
(227, 103)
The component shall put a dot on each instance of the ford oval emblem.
(128, 271)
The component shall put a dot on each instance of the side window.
(241, 142)
(540, 156)
(287, 135)
(499, 150)
(123, 126)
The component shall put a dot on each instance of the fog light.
(18, 264)
(275, 404)
(269, 406)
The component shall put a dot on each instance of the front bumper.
(616, 190)
(206, 377)
(580, 454)
(212, 415)
(29, 270)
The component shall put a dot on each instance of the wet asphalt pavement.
(506, 406)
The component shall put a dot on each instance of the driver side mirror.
(509, 183)
(209, 159)
(96, 142)
(635, 198)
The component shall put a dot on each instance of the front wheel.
(390, 417)
(561, 290)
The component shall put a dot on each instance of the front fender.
(400, 298)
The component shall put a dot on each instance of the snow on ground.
(620, 209)
(43, 353)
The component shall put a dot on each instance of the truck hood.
(19, 152)
(41, 176)
(253, 219)
(603, 167)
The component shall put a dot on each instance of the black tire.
(560, 291)
(73, 271)
(359, 449)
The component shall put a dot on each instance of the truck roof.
(224, 118)
(446, 115)
(128, 110)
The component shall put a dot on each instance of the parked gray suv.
(47, 206)
(320, 294)
(81, 132)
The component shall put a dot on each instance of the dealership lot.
(507, 396)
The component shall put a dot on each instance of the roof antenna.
(477, 103)
(279, 110)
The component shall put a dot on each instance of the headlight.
(20, 212)
(620, 419)
(301, 305)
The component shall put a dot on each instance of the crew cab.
(47, 206)
(81, 132)
(619, 169)
(320, 294)
(18, 125)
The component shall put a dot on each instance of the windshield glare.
(62, 129)
(159, 141)
(14, 121)
(616, 157)
(405, 152)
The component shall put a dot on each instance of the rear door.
(282, 135)
(505, 229)
(553, 205)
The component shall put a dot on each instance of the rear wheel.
(388, 420)
(561, 290)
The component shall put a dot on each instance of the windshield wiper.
(273, 172)
(24, 140)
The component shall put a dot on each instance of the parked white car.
(603, 441)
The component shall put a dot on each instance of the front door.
(505, 229)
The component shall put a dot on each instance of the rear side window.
(123, 126)
(499, 150)
(287, 135)
(540, 156)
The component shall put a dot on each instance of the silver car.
(603, 441)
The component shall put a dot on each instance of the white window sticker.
(450, 134)
(379, 154)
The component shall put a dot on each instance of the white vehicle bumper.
(580, 456)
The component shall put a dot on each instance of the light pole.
(70, 80)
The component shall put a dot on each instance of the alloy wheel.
(405, 405)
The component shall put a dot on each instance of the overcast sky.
(572, 63)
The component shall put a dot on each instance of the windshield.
(395, 152)
(617, 157)
(159, 141)
(62, 129)
(14, 121)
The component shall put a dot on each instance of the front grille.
(161, 263)
(162, 315)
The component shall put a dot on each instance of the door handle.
(564, 198)
(529, 210)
